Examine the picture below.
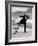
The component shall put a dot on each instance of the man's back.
(23, 21)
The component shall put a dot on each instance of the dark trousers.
(25, 27)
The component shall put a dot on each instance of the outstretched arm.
(25, 16)
(21, 16)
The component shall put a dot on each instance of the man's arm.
(21, 16)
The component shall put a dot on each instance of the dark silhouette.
(23, 21)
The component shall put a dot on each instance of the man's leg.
(25, 27)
